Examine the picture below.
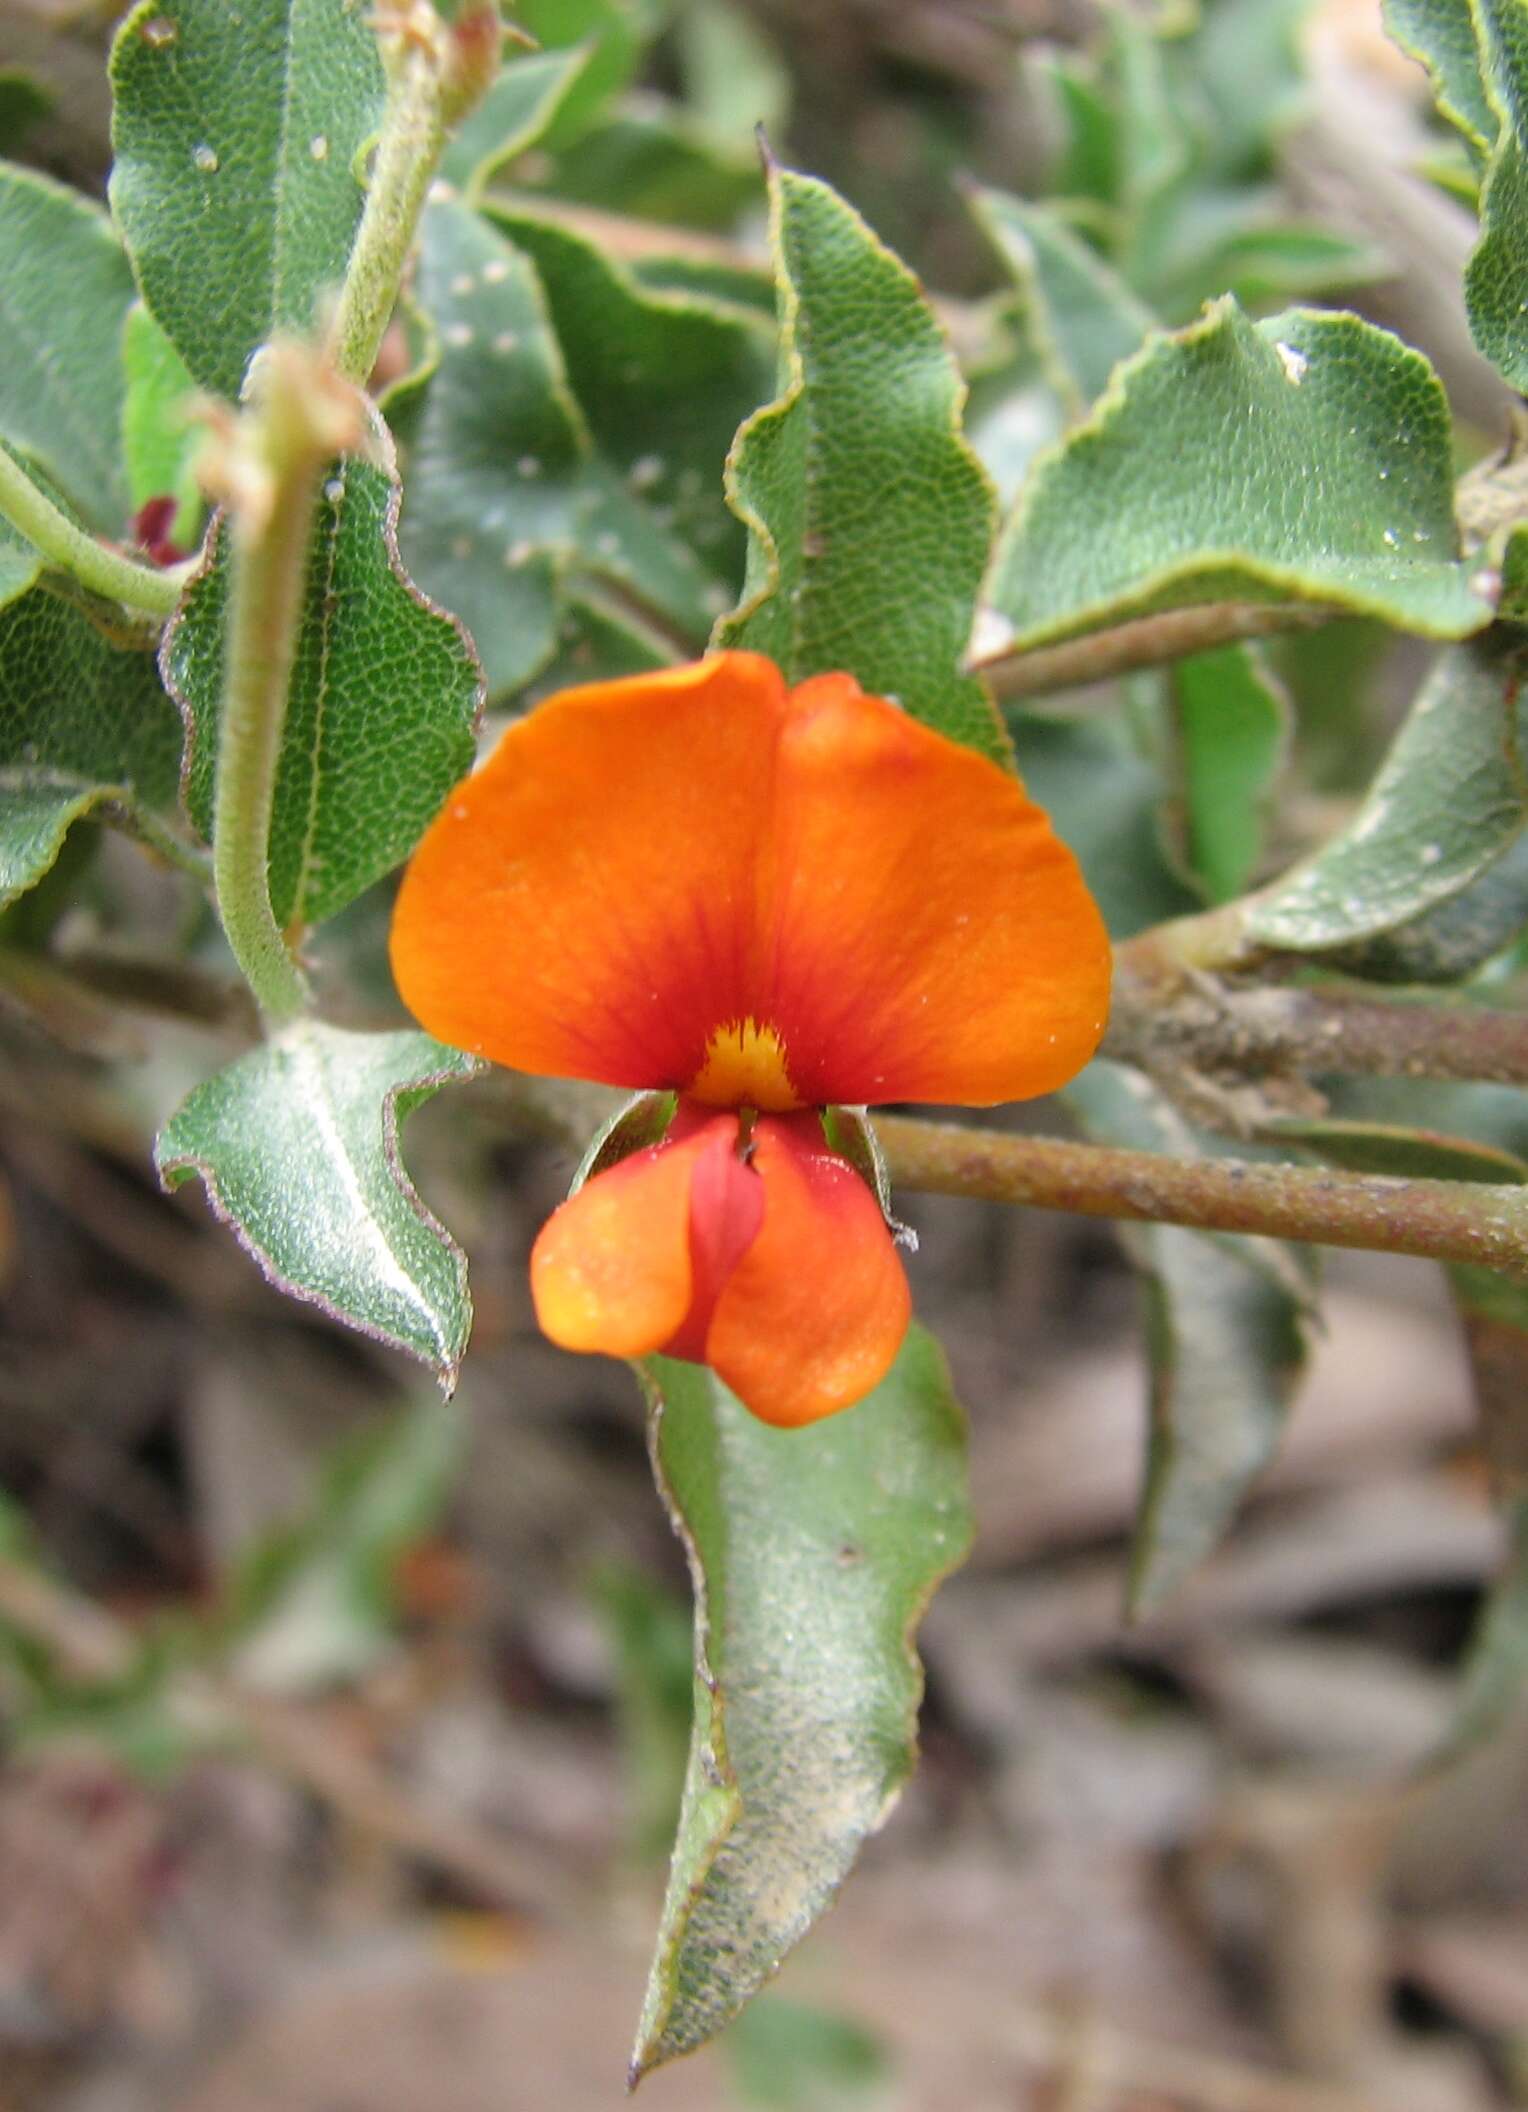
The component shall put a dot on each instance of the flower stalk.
(436, 73)
(95, 565)
(265, 465)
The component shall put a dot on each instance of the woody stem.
(1443, 1220)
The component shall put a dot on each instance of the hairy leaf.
(298, 1145)
(1105, 799)
(498, 449)
(1229, 731)
(509, 495)
(662, 380)
(238, 134)
(1080, 315)
(65, 288)
(648, 158)
(1448, 801)
(384, 699)
(1226, 1330)
(1304, 459)
(1496, 279)
(159, 436)
(82, 722)
(516, 114)
(869, 515)
(813, 1554)
(1441, 34)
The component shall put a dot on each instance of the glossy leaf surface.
(298, 1145)
(813, 1554)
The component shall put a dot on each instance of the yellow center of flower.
(745, 1067)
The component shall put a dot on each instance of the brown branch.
(1443, 1220)
(1145, 641)
(1244, 1031)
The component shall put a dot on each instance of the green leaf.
(516, 114)
(1441, 35)
(1405, 1154)
(82, 723)
(317, 1601)
(648, 1631)
(1247, 63)
(65, 287)
(813, 1553)
(1495, 1317)
(613, 33)
(1496, 1665)
(1088, 165)
(511, 505)
(1448, 800)
(238, 134)
(20, 565)
(651, 160)
(870, 517)
(1280, 261)
(298, 1145)
(1304, 459)
(735, 77)
(1496, 278)
(384, 698)
(1104, 798)
(23, 104)
(159, 438)
(1226, 1329)
(498, 452)
(662, 380)
(597, 642)
(1230, 725)
(1081, 316)
(789, 2058)
(1460, 935)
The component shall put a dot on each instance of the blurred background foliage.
(343, 1747)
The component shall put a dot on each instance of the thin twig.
(1443, 1220)
(1146, 641)
(1245, 1031)
(94, 564)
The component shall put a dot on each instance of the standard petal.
(585, 906)
(812, 1316)
(931, 939)
(611, 1268)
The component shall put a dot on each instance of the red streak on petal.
(726, 1211)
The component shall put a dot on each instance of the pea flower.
(769, 902)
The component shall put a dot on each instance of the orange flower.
(768, 901)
